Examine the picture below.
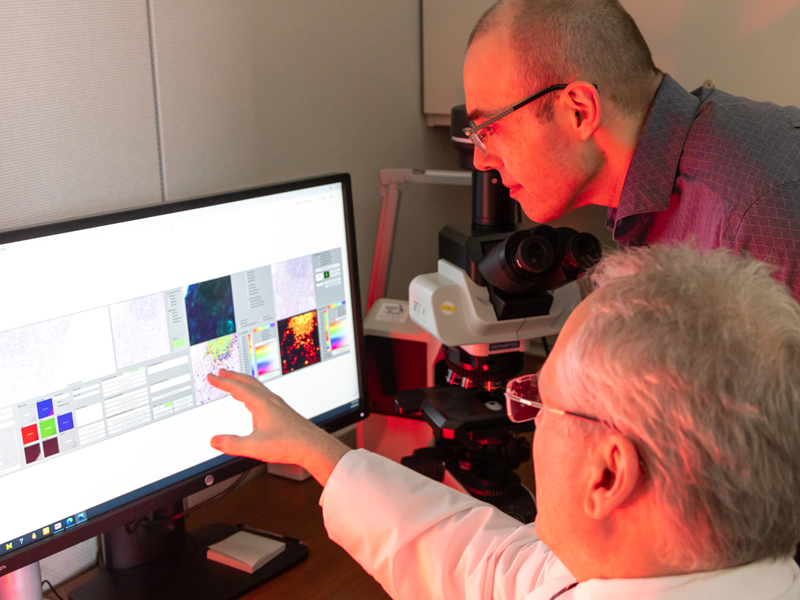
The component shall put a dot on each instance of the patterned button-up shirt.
(718, 169)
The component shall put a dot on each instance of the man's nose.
(485, 162)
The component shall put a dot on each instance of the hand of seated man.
(280, 434)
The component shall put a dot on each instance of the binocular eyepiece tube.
(541, 258)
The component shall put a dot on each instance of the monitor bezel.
(220, 468)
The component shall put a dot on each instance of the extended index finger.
(241, 390)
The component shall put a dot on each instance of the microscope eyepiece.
(582, 252)
(541, 259)
(533, 255)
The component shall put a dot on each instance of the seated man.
(666, 453)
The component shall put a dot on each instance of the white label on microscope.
(392, 313)
(418, 309)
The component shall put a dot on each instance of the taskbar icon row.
(40, 534)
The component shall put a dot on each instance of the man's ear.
(615, 477)
(583, 105)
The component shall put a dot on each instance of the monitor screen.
(109, 326)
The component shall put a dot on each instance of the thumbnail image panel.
(210, 357)
(293, 284)
(299, 341)
(209, 310)
(38, 359)
(140, 330)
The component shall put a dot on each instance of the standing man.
(567, 105)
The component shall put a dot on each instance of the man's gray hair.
(559, 40)
(696, 357)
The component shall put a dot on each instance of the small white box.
(245, 551)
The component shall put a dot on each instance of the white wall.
(77, 121)
(748, 47)
(110, 104)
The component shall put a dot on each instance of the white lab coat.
(420, 539)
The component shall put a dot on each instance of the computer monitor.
(110, 324)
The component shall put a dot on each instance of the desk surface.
(292, 509)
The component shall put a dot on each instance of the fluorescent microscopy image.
(209, 310)
(210, 357)
(299, 340)
(140, 330)
(293, 283)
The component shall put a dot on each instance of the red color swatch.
(29, 434)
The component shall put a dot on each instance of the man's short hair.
(696, 357)
(557, 41)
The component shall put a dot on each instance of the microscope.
(496, 288)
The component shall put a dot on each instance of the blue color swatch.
(45, 408)
(65, 422)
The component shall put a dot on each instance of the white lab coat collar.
(767, 580)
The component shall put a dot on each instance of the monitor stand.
(22, 584)
(175, 566)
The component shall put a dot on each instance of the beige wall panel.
(253, 92)
(446, 25)
(77, 133)
(748, 47)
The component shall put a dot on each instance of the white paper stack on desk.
(245, 551)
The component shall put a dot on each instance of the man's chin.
(538, 213)
(534, 209)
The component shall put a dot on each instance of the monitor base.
(188, 574)
(22, 584)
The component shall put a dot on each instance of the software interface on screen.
(109, 333)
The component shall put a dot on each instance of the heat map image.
(299, 339)
(210, 357)
(209, 310)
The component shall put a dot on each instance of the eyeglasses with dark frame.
(523, 404)
(473, 132)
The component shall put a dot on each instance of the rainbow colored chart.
(336, 331)
(338, 334)
(267, 358)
